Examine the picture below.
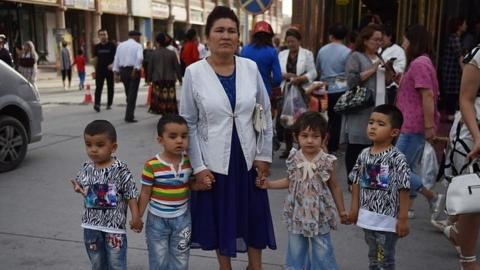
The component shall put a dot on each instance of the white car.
(20, 117)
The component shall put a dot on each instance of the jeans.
(168, 241)
(411, 145)
(322, 256)
(381, 249)
(106, 251)
(81, 76)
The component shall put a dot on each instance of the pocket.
(91, 238)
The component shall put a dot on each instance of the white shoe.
(447, 231)
(440, 224)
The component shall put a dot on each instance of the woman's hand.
(475, 151)
(204, 180)
(263, 169)
(288, 76)
(430, 135)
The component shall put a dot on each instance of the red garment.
(190, 53)
(80, 62)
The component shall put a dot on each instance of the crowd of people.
(207, 188)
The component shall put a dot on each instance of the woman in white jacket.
(219, 94)
(298, 68)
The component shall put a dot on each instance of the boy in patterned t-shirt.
(381, 182)
(165, 189)
(108, 187)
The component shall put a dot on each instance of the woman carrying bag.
(298, 69)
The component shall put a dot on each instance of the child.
(80, 62)
(107, 186)
(314, 197)
(381, 183)
(165, 188)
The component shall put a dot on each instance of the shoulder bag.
(354, 99)
(463, 193)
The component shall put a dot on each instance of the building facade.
(48, 22)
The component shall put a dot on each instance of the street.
(40, 213)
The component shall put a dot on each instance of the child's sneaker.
(411, 213)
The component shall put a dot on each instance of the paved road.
(40, 215)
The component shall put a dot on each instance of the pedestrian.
(392, 54)
(380, 187)
(465, 127)
(164, 71)
(27, 64)
(417, 98)
(219, 94)
(452, 66)
(146, 60)
(189, 53)
(66, 65)
(166, 181)
(361, 70)
(103, 56)
(5, 55)
(127, 66)
(80, 63)
(314, 197)
(331, 60)
(298, 68)
(107, 187)
(262, 52)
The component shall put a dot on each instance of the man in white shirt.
(127, 65)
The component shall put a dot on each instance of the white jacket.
(205, 106)
(305, 64)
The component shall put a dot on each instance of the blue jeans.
(411, 145)
(106, 251)
(381, 249)
(168, 241)
(299, 257)
(81, 76)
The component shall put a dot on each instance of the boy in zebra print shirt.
(380, 191)
(108, 188)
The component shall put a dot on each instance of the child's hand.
(352, 217)
(78, 188)
(136, 225)
(344, 218)
(261, 182)
(204, 180)
(402, 228)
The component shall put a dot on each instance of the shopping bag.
(293, 106)
(428, 166)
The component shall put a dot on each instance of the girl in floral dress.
(314, 197)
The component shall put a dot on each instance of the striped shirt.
(170, 192)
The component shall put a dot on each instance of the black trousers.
(67, 73)
(100, 77)
(351, 155)
(131, 90)
(334, 123)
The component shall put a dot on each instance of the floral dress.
(309, 208)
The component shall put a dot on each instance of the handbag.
(259, 124)
(354, 99)
(463, 193)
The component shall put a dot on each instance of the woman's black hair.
(311, 120)
(292, 32)
(220, 12)
(162, 40)
(262, 39)
(191, 34)
(419, 39)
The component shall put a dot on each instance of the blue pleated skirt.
(234, 214)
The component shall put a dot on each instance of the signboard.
(196, 16)
(80, 4)
(114, 6)
(179, 13)
(255, 6)
(342, 2)
(160, 10)
(142, 8)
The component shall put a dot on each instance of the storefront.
(160, 15)
(115, 19)
(21, 22)
(142, 12)
(179, 15)
(78, 21)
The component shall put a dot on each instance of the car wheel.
(13, 143)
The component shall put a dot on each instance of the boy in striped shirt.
(166, 181)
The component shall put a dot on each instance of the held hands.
(136, 224)
(344, 218)
(204, 180)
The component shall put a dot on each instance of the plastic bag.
(428, 166)
(293, 106)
